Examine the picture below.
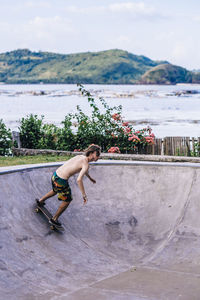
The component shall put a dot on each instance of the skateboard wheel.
(36, 210)
(52, 227)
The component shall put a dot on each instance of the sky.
(161, 30)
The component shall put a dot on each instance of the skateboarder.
(59, 179)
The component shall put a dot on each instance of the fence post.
(16, 138)
(162, 146)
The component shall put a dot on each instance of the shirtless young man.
(60, 178)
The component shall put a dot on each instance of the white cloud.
(84, 10)
(130, 7)
(137, 8)
(36, 4)
(47, 34)
(49, 27)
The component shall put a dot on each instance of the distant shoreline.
(109, 84)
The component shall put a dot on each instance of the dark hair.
(93, 148)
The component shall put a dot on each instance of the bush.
(105, 128)
(49, 137)
(34, 134)
(31, 131)
(66, 138)
(108, 129)
(95, 129)
(5, 139)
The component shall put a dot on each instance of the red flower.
(125, 124)
(114, 150)
(133, 137)
(116, 116)
(114, 136)
(149, 140)
(127, 130)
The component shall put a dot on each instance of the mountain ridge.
(113, 66)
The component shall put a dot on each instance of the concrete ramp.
(137, 238)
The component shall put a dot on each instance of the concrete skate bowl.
(137, 238)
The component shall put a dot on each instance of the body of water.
(168, 110)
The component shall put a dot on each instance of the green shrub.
(196, 150)
(34, 134)
(95, 129)
(108, 130)
(49, 137)
(31, 131)
(104, 127)
(5, 139)
(66, 138)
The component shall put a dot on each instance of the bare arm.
(91, 179)
(80, 181)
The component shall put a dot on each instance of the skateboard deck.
(48, 216)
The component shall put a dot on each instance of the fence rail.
(175, 146)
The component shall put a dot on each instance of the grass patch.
(36, 159)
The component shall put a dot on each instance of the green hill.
(196, 77)
(104, 67)
(166, 74)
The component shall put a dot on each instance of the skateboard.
(48, 216)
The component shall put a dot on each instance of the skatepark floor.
(137, 238)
